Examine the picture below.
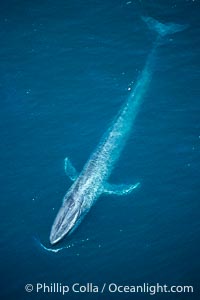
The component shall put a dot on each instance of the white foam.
(56, 250)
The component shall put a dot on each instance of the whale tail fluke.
(163, 29)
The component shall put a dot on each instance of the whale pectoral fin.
(70, 170)
(120, 189)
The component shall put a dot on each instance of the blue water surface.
(66, 69)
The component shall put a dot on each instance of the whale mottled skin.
(92, 181)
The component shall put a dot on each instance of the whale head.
(65, 220)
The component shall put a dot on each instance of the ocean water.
(66, 69)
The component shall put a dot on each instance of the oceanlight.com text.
(146, 288)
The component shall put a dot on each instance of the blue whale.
(93, 179)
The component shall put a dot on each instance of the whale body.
(93, 179)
